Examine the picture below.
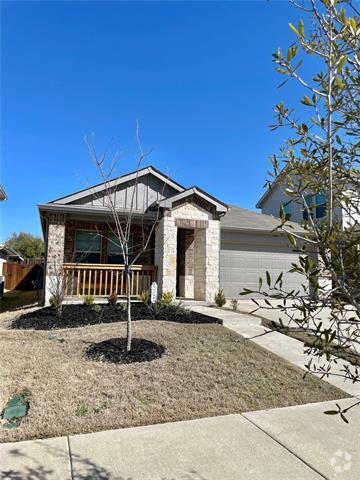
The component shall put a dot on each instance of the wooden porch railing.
(101, 280)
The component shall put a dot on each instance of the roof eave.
(220, 206)
(118, 181)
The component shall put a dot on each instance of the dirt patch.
(204, 371)
(114, 351)
(81, 315)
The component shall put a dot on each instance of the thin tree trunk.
(329, 123)
(128, 299)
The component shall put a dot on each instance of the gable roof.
(239, 218)
(10, 251)
(168, 202)
(118, 181)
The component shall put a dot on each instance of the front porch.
(103, 280)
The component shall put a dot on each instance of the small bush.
(112, 298)
(121, 306)
(89, 300)
(57, 305)
(234, 304)
(220, 298)
(166, 299)
(53, 302)
(96, 308)
(145, 296)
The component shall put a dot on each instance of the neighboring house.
(275, 197)
(200, 244)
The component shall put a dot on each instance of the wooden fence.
(20, 277)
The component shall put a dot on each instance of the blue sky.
(197, 76)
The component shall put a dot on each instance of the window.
(317, 206)
(287, 209)
(87, 247)
(114, 251)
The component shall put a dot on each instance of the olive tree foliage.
(321, 156)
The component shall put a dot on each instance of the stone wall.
(54, 254)
(206, 249)
(165, 254)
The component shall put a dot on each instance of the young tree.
(121, 222)
(321, 157)
(28, 245)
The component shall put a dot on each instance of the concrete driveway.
(297, 443)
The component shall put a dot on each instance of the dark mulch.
(114, 351)
(82, 315)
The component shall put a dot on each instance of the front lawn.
(198, 370)
(18, 299)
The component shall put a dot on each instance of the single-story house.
(198, 246)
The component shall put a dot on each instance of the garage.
(249, 249)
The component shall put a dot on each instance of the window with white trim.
(316, 206)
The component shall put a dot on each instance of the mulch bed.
(114, 351)
(82, 315)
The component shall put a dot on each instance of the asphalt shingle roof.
(243, 219)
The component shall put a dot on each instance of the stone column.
(54, 252)
(165, 255)
(200, 264)
(206, 262)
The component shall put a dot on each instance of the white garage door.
(243, 262)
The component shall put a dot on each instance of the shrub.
(112, 298)
(234, 304)
(56, 304)
(121, 306)
(166, 299)
(89, 300)
(96, 308)
(220, 298)
(145, 296)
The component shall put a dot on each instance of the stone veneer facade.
(206, 225)
(55, 252)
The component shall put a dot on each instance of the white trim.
(168, 202)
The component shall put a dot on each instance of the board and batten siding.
(245, 256)
(149, 189)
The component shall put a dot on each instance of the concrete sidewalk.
(290, 349)
(297, 443)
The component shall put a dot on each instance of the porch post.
(55, 244)
(165, 254)
(206, 261)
